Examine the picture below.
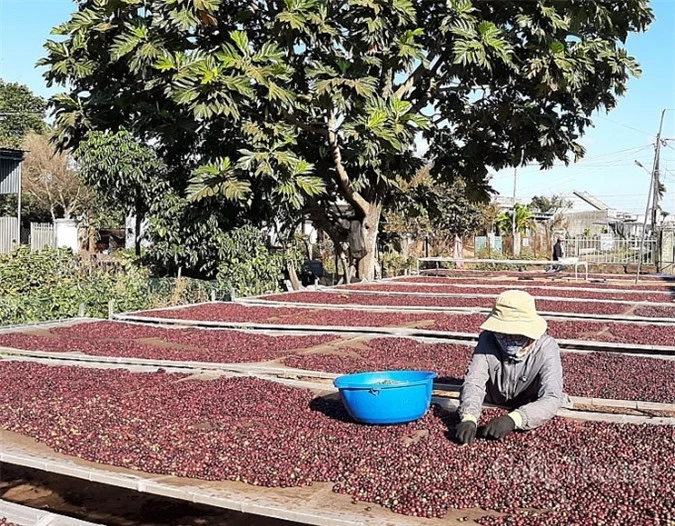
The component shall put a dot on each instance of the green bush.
(248, 267)
(395, 264)
(52, 284)
(24, 272)
(483, 254)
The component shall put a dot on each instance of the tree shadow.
(450, 419)
(331, 406)
(452, 380)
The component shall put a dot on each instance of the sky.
(618, 139)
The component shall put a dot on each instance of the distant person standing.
(558, 254)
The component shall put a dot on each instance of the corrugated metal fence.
(10, 172)
(42, 235)
(8, 231)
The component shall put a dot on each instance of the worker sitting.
(515, 364)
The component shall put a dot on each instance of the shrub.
(395, 264)
(249, 267)
(483, 254)
(52, 284)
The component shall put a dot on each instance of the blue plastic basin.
(386, 397)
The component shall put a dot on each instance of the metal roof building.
(10, 183)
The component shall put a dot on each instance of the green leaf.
(557, 47)
(123, 45)
(216, 178)
(420, 121)
(276, 92)
(207, 5)
(268, 52)
(254, 131)
(376, 119)
(165, 63)
(310, 185)
(463, 29)
(183, 18)
(400, 107)
(235, 189)
(364, 86)
(240, 84)
(293, 19)
(241, 41)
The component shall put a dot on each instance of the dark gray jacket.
(532, 384)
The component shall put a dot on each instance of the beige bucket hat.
(515, 313)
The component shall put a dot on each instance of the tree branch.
(414, 76)
(357, 201)
(431, 91)
(328, 224)
(312, 128)
(388, 83)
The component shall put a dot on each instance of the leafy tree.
(454, 211)
(124, 173)
(50, 179)
(20, 112)
(321, 101)
(406, 213)
(423, 206)
(491, 212)
(438, 210)
(248, 267)
(524, 220)
(554, 204)
(188, 238)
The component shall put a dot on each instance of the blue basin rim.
(368, 380)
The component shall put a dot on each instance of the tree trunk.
(293, 276)
(137, 233)
(92, 240)
(346, 274)
(517, 244)
(369, 230)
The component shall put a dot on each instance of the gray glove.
(465, 432)
(498, 428)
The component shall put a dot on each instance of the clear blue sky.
(617, 140)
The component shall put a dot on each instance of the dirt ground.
(113, 506)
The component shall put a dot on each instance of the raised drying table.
(569, 261)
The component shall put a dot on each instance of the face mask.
(511, 344)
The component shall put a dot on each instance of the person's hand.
(465, 432)
(498, 428)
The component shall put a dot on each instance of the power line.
(624, 125)
(632, 151)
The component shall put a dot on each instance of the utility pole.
(644, 225)
(651, 196)
(657, 179)
(656, 231)
(513, 221)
